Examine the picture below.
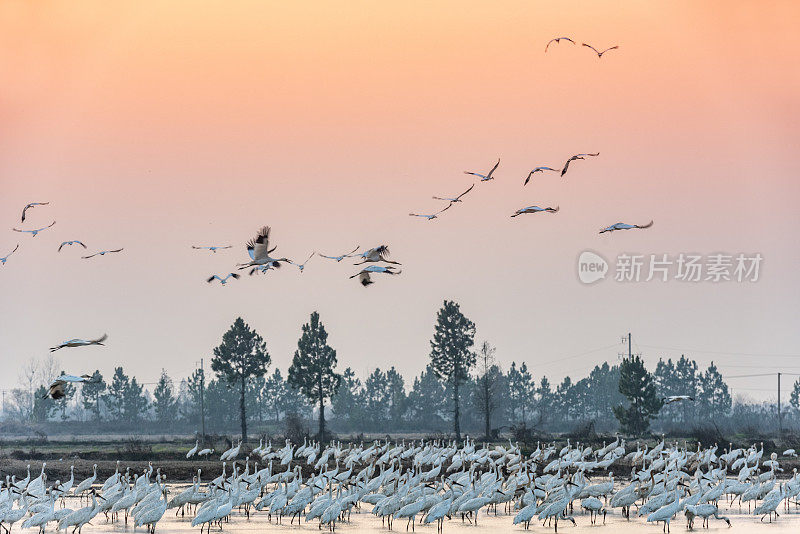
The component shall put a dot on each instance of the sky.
(155, 126)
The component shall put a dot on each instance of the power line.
(725, 353)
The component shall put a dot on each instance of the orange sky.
(157, 125)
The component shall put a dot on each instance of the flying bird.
(576, 157)
(538, 169)
(456, 199)
(213, 248)
(432, 216)
(534, 209)
(339, 258)
(34, 232)
(623, 226)
(600, 54)
(373, 255)
(29, 206)
(557, 40)
(80, 343)
(4, 259)
(74, 242)
(364, 274)
(223, 281)
(302, 266)
(485, 177)
(259, 251)
(677, 398)
(101, 253)
(56, 389)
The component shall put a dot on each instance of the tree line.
(462, 389)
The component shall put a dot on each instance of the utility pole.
(629, 345)
(780, 422)
(202, 401)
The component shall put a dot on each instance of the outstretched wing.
(211, 278)
(465, 192)
(100, 339)
(593, 48)
(494, 168)
(648, 225)
(259, 247)
(607, 49)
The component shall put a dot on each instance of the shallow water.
(363, 521)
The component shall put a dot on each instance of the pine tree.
(92, 392)
(451, 357)
(134, 401)
(274, 391)
(312, 371)
(114, 397)
(164, 401)
(348, 402)
(241, 356)
(639, 389)
(395, 396)
(61, 404)
(546, 401)
(794, 398)
(714, 399)
(43, 405)
(192, 407)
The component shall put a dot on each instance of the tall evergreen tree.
(43, 405)
(714, 399)
(794, 398)
(395, 396)
(241, 356)
(451, 354)
(546, 401)
(313, 368)
(114, 397)
(134, 401)
(347, 404)
(274, 392)
(192, 407)
(92, 392)
(427, 400)
(639, 389)
(62, 403)
(164, 402)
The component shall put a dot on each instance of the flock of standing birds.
(422, 483)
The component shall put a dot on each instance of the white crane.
(457, 198)
(259, 251)
(194, 449)
(222, 280)
(598, 52)
(77, 342)
(534, 209)
(70, 243)
(212, 248)
(342, 256)
(538, 169)
(485, 177)
(302, 266)
(557, 40)
(102, 253)
(4, 259)
(376, 254)
(431, 216)
(624, 226)
(364, 274)
(575, 158)
(676, 398)
(35, 232)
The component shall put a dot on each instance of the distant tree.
(134, 401)
(687, 380)
(563, 400)
(794, 398)
(43, 405)
(714, 400)
(451, 354)
(62, 404)
(241, 356)
(274, 392)
(92, 392)
(164, 402)
(395, 396)
(375, 397)
(114, 398)
(546, 402)
(427, 400)
(488, 383)
(313, 368)
(348, 402)
(639, 389)
(191, 408)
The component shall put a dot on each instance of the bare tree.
(488, 379)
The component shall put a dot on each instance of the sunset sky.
(157, 125)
